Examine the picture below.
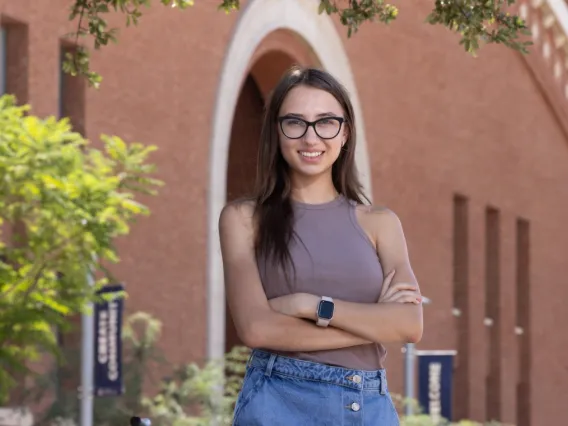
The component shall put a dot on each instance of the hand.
(299, 305)
(399, 292)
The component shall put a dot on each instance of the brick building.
(471, 153)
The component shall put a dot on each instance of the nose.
(311, 136)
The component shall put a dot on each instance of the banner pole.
(87, 361)
(410, 372)
(409, 377)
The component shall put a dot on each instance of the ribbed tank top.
(334, 257)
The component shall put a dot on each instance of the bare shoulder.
(378, 217)
(238, 213)
(378, 222)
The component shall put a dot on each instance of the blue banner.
(108, 380)
(435, 379)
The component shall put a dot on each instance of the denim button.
(355, 406)
(357, 378)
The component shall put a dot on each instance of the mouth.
(311, 155)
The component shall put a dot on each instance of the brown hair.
(273, 208)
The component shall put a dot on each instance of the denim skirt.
(282, 391)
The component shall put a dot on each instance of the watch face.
(325, 310)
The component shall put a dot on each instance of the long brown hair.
(273, 209)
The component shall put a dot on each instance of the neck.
(313, 190)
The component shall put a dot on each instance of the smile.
(311, 154)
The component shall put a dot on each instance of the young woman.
(316, 279)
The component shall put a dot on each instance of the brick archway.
(258, 20)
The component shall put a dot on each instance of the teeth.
(311, 154)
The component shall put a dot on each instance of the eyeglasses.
(325, 128)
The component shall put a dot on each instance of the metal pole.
(409, 378)
(409, 371)
(87, 362)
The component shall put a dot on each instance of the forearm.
(281, 332)
(380, 322)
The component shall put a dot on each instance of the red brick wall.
(438, 123)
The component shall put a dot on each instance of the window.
(460, 304)
(71, 93)
(14, 59)
(523, 329)
(492, 312)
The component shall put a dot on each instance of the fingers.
(400, 287)
(409, 299)
(386, 283)
(404, 297)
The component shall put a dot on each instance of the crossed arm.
(287, 323)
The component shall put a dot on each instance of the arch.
(258, 19)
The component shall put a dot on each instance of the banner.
(435, 379)
(108, 343)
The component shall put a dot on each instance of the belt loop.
(383, 385)
(249, 361)
(270, 365)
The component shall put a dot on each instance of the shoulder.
(236, 230)
(378, 215)
(238, 213)
(379, 221)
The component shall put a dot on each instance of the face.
(311, 152)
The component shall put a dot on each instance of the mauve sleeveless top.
(334, 257)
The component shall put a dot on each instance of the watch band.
(323, 322)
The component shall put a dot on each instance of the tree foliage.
(62, 205)
(475, 21)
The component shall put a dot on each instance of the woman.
(305, 263)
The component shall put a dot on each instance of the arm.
(379, 322)
(257, 325)
(384, 322)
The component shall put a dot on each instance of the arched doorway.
(322, 44)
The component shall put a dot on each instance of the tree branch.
(452, 14)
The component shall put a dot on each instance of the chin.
(311, 172)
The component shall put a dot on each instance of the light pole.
(409, 371)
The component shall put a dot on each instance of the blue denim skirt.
(282, 391)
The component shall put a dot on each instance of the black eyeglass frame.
(309, 124)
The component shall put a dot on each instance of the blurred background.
(471, 153)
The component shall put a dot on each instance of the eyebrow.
(323, 114)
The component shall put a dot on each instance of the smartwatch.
(325, 311)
